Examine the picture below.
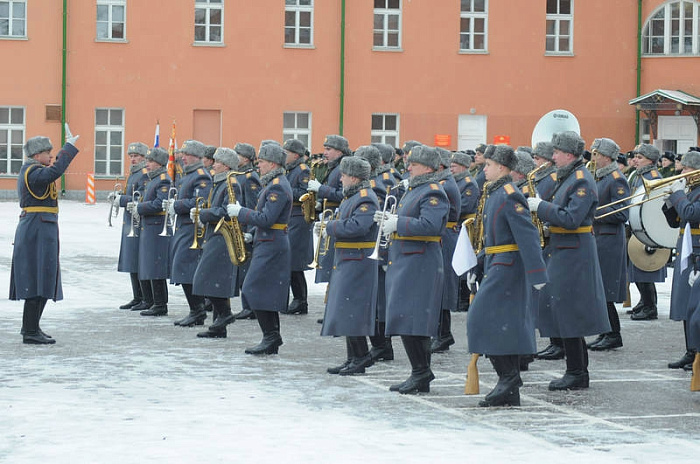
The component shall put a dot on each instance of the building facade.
(449, 72)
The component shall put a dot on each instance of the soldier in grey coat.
(415, 273)
(35, 276)
(572, 306)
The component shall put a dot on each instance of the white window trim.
(471, 16)
(558, 18)
(385, 12)
(288, 132)
(695, 33)
(209, 6)
(108, 128)
(26, 24)
(10, 127)
(111, 3)
(297, 9)
(383, 133)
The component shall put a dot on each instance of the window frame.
(6, 170)
(298, 9)
(294, 132)
(386, 13)
(11, 19)
(558, 18)
(208, 6)
(110, 4)
(109, 128)
(380, 135)
(472, 16)
(667, 36)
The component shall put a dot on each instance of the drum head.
(648, 223)
(646, 258)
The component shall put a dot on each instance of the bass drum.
(648, 223)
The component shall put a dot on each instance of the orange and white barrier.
(90, 189)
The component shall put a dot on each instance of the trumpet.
(135, 197)
(169, 219)
(383, 240)
(114, 206)
(198, 231)
(323, 245)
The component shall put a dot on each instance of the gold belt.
(451, 225)
(492, 250)
(416, 238)
(41, 209)
(580, 230)
(279, 226)
(354, 244)
(692, 232)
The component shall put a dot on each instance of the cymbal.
(646, 258)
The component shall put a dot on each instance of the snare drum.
(648, 223)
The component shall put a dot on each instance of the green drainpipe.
(342, 67)
(639, 69)
(63, 91)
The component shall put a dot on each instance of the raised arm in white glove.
(693, 277)
(70, 138)
(539, 286)
(247, 237)
(391, 224)
(314, 185)
(378, 216)
(533, 204)
(114, 198)
(678, 185)
(233, 209)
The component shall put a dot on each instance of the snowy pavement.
(118, 387)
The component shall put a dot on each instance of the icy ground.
(121, 388)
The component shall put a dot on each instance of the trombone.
(383, 240)
(169, 219)
(135, 197)
(323, 245)
(693, 178)
(198, 231)
(114, 206)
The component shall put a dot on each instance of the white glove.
(319, 205)
(114, 198)
(391, 223)
(318, 231)
(693, 277)
(192, 210)
(200, 224)
(384, 267)
(70, 138)
(247, 237)
(533, 203)
(404, 183)
(131, 207)
(171, 207)
(678, 185)
(539, 286)
(314, 185)
(233, 209)
(471, 281)
(378, 216)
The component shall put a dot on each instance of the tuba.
(308, 200)
(231, 230)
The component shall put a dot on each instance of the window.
(298, 22)
(385, 129)
(472, 25)
(11, 139)
(209, 21)
(560, 27)
(387, 24)
(13, 18)
(673, 29)
(297, 126)
(109, 141)
(111, 19)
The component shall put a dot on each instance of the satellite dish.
(553, 122)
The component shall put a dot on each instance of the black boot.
(198, 312)
(382, 350)
(222, 308)
(135, 290)
(610, 341)
(160, 299)
(524, 361)
(147, 294)
(464, 295)
(245, 314)
(418, 352)
(270, 326)
(299, 304)
(576, 375)
(445, 339)
(31, 333)
(648, 311)
(213, 333)
(687, 358)
(507, 390)
(350, 352)
(596, 341)
(361, 358)
(554, 351)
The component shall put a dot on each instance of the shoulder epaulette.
(579, 174)
(554, 176)
(372, 183)
(200, 171)
(385, 175)
(654, 174)
(276, 181)
(233, 179)
(144, 171)
(509, 189)
(162, 176)
(616, 174)
(303, 166)
(435, 186)
(363, 192)
(248, 175)
(442, 182)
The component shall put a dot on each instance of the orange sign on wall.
(443, 140)
(498, 139)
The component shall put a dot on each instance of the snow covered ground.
(118, 387)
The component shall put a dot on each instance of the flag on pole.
(156, 141)
(686, 247)
(464, 257)
(171, 154)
